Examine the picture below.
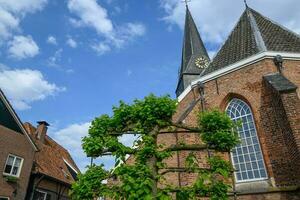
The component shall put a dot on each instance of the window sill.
(253, 186)
(10, 178)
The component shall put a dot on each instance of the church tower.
(194, 55)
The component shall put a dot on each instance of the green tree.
(148, 118)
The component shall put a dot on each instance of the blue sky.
(68, 61)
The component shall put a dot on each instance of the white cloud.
(25, 86)
(23, 6)
(53, 60)
(216, 18)
(91, 14)
(128, 140)
(13, 11)
(72, 43)
(70, 137)
(131, 30)
(101, 48)
(212, 54)
(21, 47)
(51, 40)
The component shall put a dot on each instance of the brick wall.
(247, 84)
(15, 143)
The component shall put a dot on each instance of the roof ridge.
(198, 34)
(256, 31)
(224, 42)
(276, 23)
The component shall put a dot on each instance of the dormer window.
(13, 166)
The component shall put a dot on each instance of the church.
(255, 79)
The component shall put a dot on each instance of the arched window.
(246, 156)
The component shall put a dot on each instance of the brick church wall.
(281, 127)
(247, 84)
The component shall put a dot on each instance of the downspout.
(201, 93)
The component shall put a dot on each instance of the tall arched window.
(246, 156)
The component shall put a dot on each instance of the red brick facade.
(16, 144)
(277, 120)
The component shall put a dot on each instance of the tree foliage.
(148, 118)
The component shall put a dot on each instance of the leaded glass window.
(246, 156)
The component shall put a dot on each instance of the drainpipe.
(201, 93)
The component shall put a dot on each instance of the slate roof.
(193, 46)
(253, 34)
(280, 83)
(49, 160)
(192, 49)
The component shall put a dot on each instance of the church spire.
(194, 54)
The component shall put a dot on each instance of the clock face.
(201, 62)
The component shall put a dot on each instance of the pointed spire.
(186, 2)
(193, 49)
(246, 4)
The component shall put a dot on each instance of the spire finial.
(186, 2)
(246, 4)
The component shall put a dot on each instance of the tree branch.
(192, 147)
(178, 169)
(130, 132)
(107, 152)
(192, 129)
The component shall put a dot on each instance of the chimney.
(41, 130)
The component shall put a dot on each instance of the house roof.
(253, 34)
(53, 160)
(10, 119)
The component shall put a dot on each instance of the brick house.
(254, 77)
(54, 169)
(16, 155)
(32, 165)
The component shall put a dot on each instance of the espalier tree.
(148, 118)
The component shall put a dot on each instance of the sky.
(69, 61)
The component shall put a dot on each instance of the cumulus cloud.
(89, 13)
(13, 11)
(101, 48)
(71, 136)
(51, 40)
(72, 43)
(21, 47)
(216, 18)
(133, 29)
(25, 86)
